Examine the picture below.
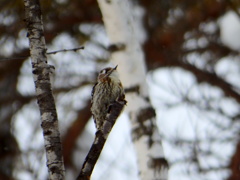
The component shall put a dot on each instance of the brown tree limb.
(41, 74)
(212, 79)
(77, 127)
(99, 141)
(235, 164)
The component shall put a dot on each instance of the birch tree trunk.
(122, 31)
(41, 73)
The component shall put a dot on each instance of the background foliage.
(193, 69)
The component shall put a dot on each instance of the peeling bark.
(123, 29)
(41, 74)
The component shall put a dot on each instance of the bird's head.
(106, 73)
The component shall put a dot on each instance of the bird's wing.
(93, 90)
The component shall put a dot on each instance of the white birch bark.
(122, 29)
(45, 100)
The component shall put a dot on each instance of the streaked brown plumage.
(107, 90)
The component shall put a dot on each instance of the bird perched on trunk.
(107, 90)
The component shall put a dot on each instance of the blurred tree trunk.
(41, 73)
(123, 31)
(235, 164)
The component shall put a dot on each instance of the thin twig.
(48, 53)
(65, 50)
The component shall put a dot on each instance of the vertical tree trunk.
(122, 31)
(41, 74)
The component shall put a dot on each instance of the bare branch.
(99, 141)
(47, 53)
(65, 50)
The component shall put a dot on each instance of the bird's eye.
(103, 71)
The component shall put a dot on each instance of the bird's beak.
(115, 67)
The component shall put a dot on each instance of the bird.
(107, 90)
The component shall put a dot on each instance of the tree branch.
(41, 74)
(99, 141)
(213, 79)
(65, 50)
(47, 53)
